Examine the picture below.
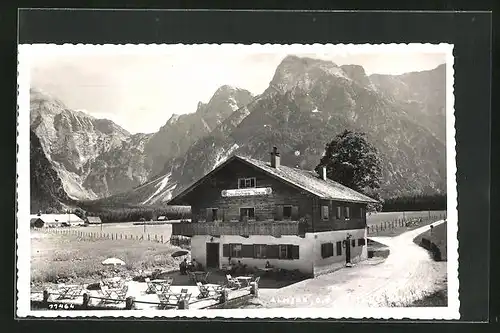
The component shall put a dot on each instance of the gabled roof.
(58, 218)
(95, 219)
(302, 179)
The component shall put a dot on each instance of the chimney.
(323, 172)
(275, 158)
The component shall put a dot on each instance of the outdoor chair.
(113, 295)
(204, 278)
(204, 291)
(184, 295)
(167, 300)
(69, 292)
(191, 276)
(232, 282)
(156, 287)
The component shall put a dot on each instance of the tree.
(352, 161)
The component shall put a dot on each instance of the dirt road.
(406, 275)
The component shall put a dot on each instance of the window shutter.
(339, 248)
(225, 250)
(278, 214)
(353, 243)
(209, 215)
(295, 213)
(323, 250)
(295, 251)
(273, 251)
(247, 251)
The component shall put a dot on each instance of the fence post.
(148, 237)
(129, 303)
(45, 296)
(155, 238)
(223, 296)
(183, 304)
(86, 300)
(162, 239)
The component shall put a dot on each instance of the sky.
(141, 90)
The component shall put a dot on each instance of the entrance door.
(212, 255)
(348, 250)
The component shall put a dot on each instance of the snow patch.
(232, 104)
(159, 187)
(315, 110)
(222, 156)
(173, 119)
(206, 125)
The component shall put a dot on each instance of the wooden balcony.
(271, 228)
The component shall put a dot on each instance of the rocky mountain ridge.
(96, 158)
(307, 103)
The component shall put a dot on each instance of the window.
(338, 213)
(212, 214)
(259, 251)
(287, 212)
(361, 242)
(235, 250)
(247, 214)
(326, 250)
(324, 213)
(246, 182)
(339, 248)
(283, 252)
(347, 213)
(353, 243)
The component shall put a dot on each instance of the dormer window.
(246, 182)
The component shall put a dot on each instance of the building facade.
(255, 211)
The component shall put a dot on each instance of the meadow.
(380, 217)
(57, 258)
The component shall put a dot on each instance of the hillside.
(95, 158)
(307, 103)
(46, 188)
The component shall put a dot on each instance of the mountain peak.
(302, 71)
(356, 73)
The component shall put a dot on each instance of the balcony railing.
(271, 228)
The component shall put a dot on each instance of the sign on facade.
(245, 192)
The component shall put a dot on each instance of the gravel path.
(406, 275)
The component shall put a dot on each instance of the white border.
(23, 183)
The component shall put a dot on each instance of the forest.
(415, 203)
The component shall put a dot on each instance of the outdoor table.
(213, 287)
(199, 276)
(244, 279)
(160, 286)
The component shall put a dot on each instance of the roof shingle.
(309, 181)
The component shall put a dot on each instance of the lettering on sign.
(245, 192)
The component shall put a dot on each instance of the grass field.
(377, 218)
(56, 257)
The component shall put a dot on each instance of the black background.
(469, 32)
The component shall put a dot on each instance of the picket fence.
(404, 223)
(86, 235)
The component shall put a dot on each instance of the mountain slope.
(308, 102)
(96, 158)
(91, 156)
(46, 188)
(181, 131)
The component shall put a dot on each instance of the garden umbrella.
(113, 262)
(179, 253)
